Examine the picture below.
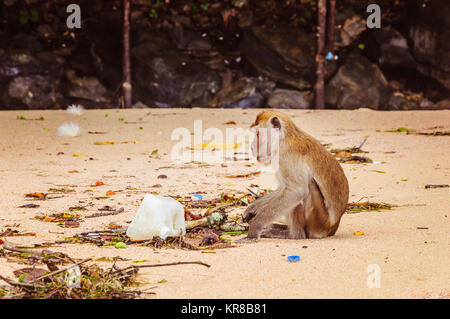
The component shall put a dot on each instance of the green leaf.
(162, 281)
(21, 278)
(361, 46)
(34, 16)
(140, 260)
(21, 117)
(154, 152)
(120, 244)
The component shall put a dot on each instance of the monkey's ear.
(275, 121)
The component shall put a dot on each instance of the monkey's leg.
(276, 231)
(279, 207)
(254, 207)
(317, 216)
(296, 222)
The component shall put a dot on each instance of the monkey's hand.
(246, 240)
(250, 212)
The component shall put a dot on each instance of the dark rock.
(105, 49)
(290, 99)
(244, 93)
(32, 92)
(443, 104)
(429, 33)
(30, 81)
(164, 77)
(393, 47)
(358, 83)
(349, 27)
(88, 88)
(23, 63)
(284, 55)
(408, 101)
(26, 42)
(431, 49)
(188, 40)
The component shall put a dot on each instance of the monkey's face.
(265, 143)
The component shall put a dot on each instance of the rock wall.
(224, 54)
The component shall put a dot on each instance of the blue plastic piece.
(293, 258)
(329, 56)
(198, 196)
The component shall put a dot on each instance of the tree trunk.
(320, 58)
(331, 26)
(126, 85)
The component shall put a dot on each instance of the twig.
(253, 193)
(20, 284)
(360, 146)
(168, 264)
(63, 269)
(121, 210)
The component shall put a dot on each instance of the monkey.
(313, 190)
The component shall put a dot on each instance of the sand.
(413, 262)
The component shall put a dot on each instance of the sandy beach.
(409, 243)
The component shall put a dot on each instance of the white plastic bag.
(157, 216)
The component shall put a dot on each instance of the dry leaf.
(244, 175)
(99, 183)
(358, 233)
(110, 192)
(344, 155)
(36, 195)
(104, 143)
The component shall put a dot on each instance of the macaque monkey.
(313, 190)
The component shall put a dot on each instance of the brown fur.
(312, 208)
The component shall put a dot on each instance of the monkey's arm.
(254, 207)
(280, 206)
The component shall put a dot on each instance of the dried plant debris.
(92, 282)
(29, 206)
(13, 232)
(62, 219)
(67, 278)
(436, 186)
(367, 207)
(348, 158)
(345, 155)
(415, 132)
(354, 149)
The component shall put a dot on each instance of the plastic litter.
(293, 258)
(157, 216)
(198, 196)
(330, 56)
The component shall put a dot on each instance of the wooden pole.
(331, 26)
(126, 85)
(320, 58)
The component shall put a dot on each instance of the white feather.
(69, 129)
(75, 109)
